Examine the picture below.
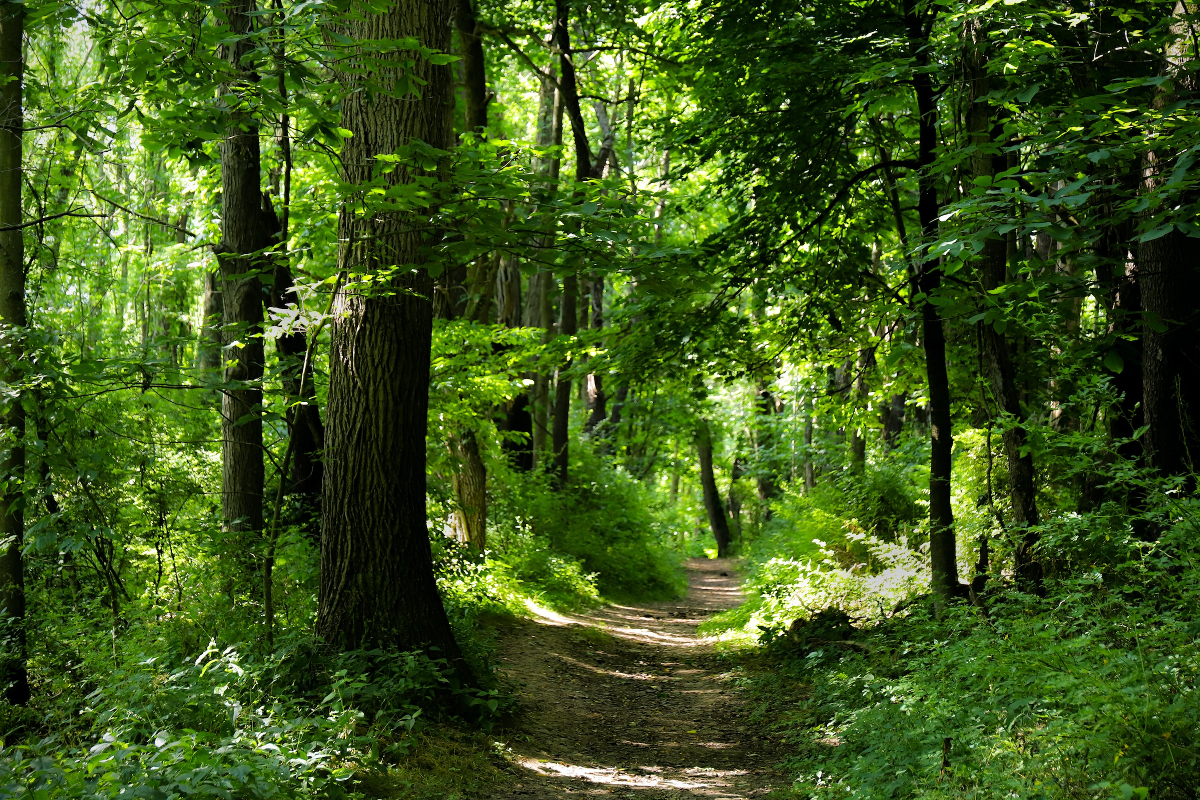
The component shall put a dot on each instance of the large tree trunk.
(13, 673)
(991, 268)
(243, 233)
(708, 487)
(942, 549)
(377, 585)
(1169, 278)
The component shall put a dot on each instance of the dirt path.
(626, 701)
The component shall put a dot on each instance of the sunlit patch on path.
(627, 701)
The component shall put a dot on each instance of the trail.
(642, 710)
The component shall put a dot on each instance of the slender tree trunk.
(377, 585)
(243, 235)
(210, 331)
(538, 306)
(518, 418)
(810, 477)
(942, 548)
(893, 420)
(991, 268)
(470, 491)
(13, 673)
(597, 399)
(474, 75)
(708, 487)
(568, 88)
(560, 441)
(768, 471)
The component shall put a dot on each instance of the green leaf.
(1113, 362)
(589, 209)
(1028, 94)
(1000, 326)
(1157, 233)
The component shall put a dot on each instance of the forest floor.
(627, 701)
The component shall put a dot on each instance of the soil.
(627, 701)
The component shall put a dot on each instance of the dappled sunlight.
(694, 780)
(637, 685)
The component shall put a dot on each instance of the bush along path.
(627, 701)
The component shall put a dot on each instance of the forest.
(701, 398)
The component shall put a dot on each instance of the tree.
(13, 675)
(708, 487)
(377, 585)
(244, 238)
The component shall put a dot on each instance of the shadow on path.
(627, 701)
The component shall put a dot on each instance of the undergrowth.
(1088, 692)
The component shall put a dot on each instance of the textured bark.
(243, 236)
(708, 488)
(13, 674)
(470, 491)
(942, 549)
(991, 269)
(1169, 279)
(377, 586)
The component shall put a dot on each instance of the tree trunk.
(303, 416)
(810, 478)
(942, 548)
(596, 398)
(768, 473)
(474, 76)
(893, 420)
(377, 585)
(1169, 278)
(991, 267)
(517, 416)
(708, 487)
(538, 306)
(210, 331)
(1168, 272)
(13, 673)
(243, 233)
(470, 491)
(560, 440)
